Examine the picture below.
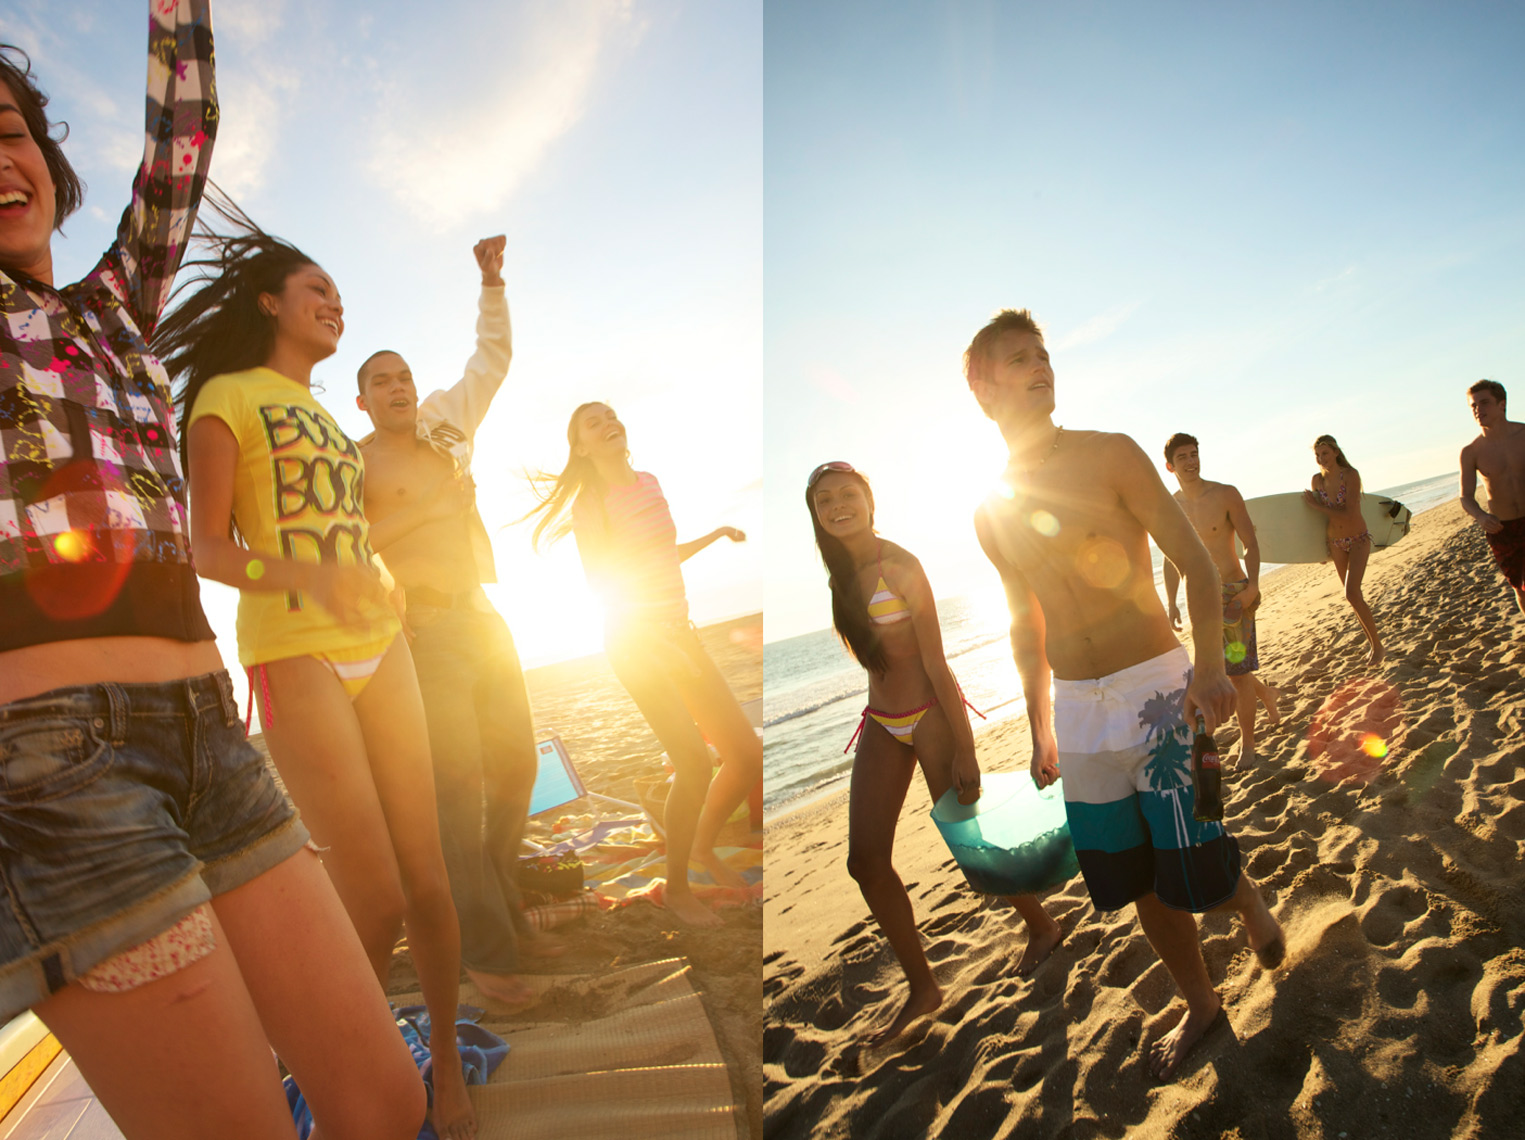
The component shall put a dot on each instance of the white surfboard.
(1290, 530)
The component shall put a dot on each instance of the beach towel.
(481, 1053)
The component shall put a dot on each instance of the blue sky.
(1256, 223)
(616, 142)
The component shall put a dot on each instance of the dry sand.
(612, 747)
(1397, 879)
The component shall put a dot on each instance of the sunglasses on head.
(834, 465)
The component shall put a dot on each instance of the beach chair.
(557, 782)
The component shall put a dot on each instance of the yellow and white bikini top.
(886, 607)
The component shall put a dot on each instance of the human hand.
(1490, 524)
(1313, 501)
(731, 533)
(1249, 597)
(1211, 694)
(966, 777)
(1045, 762)
(1175, 617)
(489, 255)
(347, 592)
(450, 497)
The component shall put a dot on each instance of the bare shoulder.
(894, 556)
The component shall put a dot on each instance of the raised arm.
(1029, 651)
(181, 122)
(465, 404)
(1145, 496)
(1489, 522)
(906, 578)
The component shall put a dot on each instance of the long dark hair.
(1339, 456)
(217, 324)
(849, 611)
(558, 493)
(68, 188)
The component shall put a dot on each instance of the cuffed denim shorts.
(122, 809)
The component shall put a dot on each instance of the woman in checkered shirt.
(162, 914)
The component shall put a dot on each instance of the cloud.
(444, 171)
(256, 86)
(1098, 327)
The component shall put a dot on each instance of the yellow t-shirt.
(297, 494)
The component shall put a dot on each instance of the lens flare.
(1374, 746)
(1044, 523)
(254, 570)
(1348, 738)
(1005, 490)
(1103, 563)
(1235, 652)
(71, 546)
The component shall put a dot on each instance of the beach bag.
(553, 876)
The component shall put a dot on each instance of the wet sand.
(1385, 821)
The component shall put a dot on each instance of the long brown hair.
(849, 610)
(558, 493)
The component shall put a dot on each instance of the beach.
(1385, 822)
(613, 748)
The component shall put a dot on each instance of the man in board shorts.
(1218, 515)
(1498, 455)
(1069, 534)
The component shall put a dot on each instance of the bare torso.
(87, 661)
(1209, 515)
(904, 684)
(1500, 460)
(437, 553)
(1342, 486)
(1086, 558)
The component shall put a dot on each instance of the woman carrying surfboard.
(1337, 493)
(882, 608)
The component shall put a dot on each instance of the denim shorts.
(122, 809)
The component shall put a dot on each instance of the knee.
(1353, 593)
(390, 1110)
(869, 867)
(691, 763)
(380, 916)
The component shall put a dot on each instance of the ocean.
(814, 691)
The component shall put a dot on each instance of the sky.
(617, 143)
(1253, 223)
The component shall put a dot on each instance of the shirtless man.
(1498, 455)
(1217, 513)
(1069, 535)
(420, 500)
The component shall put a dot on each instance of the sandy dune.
(1386, 821)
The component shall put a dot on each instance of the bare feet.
(1376, 658)
(689, 910)
(918, 1004)
(1269, 698)
(1264, 933)
(722, 874)
(1041, 940)
(505, 990)
(1166, 1055)
(1244, 756)
(452, 1114)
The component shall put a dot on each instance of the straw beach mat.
(623, 1056)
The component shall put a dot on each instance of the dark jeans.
(483, 743)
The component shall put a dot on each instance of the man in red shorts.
(1498, 455)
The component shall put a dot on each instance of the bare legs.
(1176, 939)
(1350, 567)
(882, 770)
(360, 773)
(680, 694)
(187, 1056)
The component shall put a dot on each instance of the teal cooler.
(1013, 840)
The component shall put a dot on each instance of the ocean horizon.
(814, 692)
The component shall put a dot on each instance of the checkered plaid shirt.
(93, 532)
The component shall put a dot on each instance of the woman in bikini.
(631, 554)
(1337, 493)
(276, 512)
(162, 913)
(881, 605)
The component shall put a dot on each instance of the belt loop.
(117, 710)
(225, 692)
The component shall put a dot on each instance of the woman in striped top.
(881, 605)
(632, 556)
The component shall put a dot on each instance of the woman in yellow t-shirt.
(276, 511)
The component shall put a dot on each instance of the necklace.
(1058, 435)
